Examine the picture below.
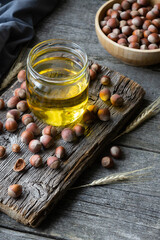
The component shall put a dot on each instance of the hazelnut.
(116, 100)
(133, 27)
(11, 125)
(35, 146)
(96, 67)
(134, 45)
(115, 14)
(19, 165)
(105, 80)
(129, 22)
(22, 106)
(92, 74)
(53, 162)
(135, 6)
(46, 141)
(116, 31)
(138, 33)
(146, 33)
(146, 24)
(15, 190)
(150, 15)
(105, 94)
(152, 29)
(36, 160)
(115, 151)
(142, 2)
(113, 37)
(137, 21)
(143, 47)
(109, 11)
(153, 38)
(122, 36)
(117, 6)
(152, 46)
(12, 102)
(133, 38)
(27, 136)
(125, 5)
(125, 15)
(144, 41)
(79, 130)
(33, 128)
(1, 103)
(103, 114)
(1, 126)
(134, 14)
(122, 23)
(49, 130)
(60, 152)
(93, 109)
(2, 151)
(21, 76)
(156, 22)
(157, 6)
(27, 118)
(68, 135)
(107, 162)
(106, 31)
(143, 11)
(88, 117)
(23, 85)
(155, 11)
(127, 30)
(14, 113)
(103, 23)
(113, 23)
(16, 148)
(19, 92)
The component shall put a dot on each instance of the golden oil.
(57, 89)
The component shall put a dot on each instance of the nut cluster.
(133, 24)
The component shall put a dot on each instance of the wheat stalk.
(114, 178)
(147, 113)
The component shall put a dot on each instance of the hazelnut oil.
(57, 86)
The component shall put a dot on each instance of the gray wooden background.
(115, 212)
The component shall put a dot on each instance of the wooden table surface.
(113, 212)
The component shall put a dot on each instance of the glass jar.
(57, 81)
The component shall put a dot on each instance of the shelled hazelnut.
(134, 18)
(15, 190)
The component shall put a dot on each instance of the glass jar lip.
(56, 80)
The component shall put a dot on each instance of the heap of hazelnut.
(133, 24)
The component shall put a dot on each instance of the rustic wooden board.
(43, 187)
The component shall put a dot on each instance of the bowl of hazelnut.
(130, 30)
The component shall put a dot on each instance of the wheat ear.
(147, 113)
(114, 178)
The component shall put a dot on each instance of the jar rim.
(54, 42)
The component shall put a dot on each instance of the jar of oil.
(57, 81)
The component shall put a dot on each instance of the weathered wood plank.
(43, 187)
(117, 211)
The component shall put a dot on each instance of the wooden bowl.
(135, 57)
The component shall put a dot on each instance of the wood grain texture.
(43, 187)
